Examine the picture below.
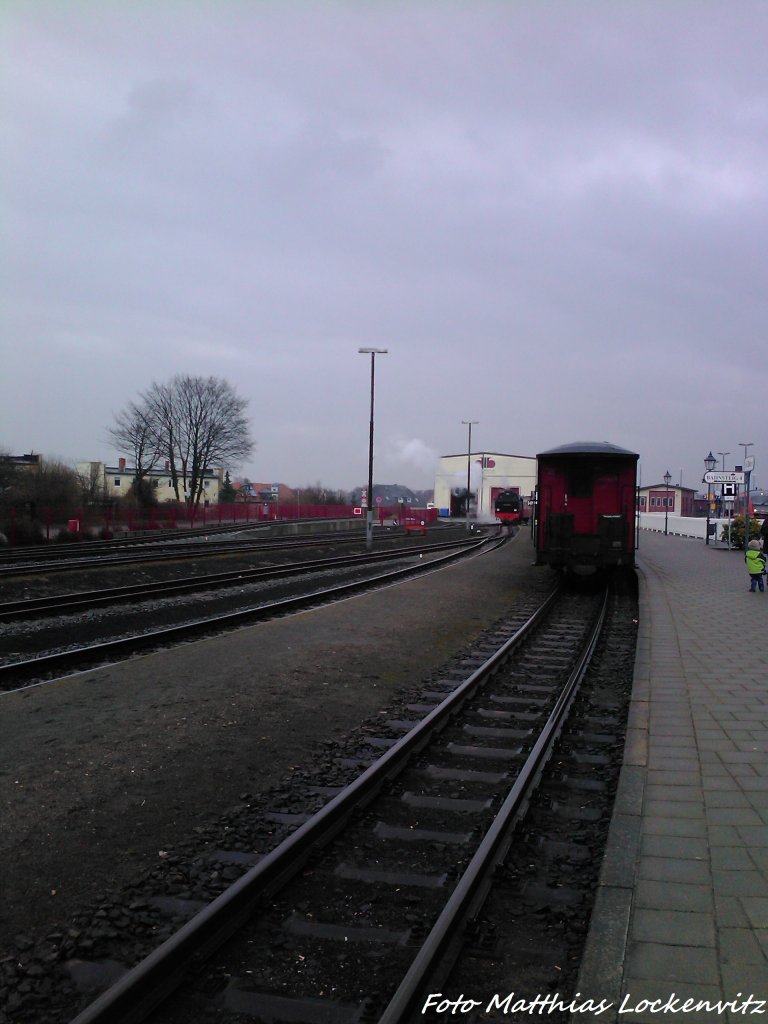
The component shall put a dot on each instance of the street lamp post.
(667, 478)
(373, 352)
(747, 474)
(469, 424)
(722, 500)
(709, 464)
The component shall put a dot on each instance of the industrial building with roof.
(489, 474)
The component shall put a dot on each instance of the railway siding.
(432, 791)
(105, 769)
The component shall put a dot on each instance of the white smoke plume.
(414, 452)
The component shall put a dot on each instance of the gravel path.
(101, 771)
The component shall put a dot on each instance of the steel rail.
(63, 603)
(175, 552)
(141, 538)
(96, 552)
(54, 551)
(19, 670)
(471, 890)
(165, 552)
(147, 984)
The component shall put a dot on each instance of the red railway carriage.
(585, 507)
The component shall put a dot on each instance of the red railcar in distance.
(585, 507)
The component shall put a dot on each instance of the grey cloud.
(554, 216)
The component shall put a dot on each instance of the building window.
(117, 481)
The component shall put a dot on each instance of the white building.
(116, 481)
(490, 473)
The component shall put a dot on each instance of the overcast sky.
(553, 216)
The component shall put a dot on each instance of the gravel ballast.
(102, 771)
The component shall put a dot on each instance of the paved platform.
(682, 907)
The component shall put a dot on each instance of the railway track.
(210, 535)
(359, 912)
(94, 552)
(106, 646)
(65, 560)
(80, 601)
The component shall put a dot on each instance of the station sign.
(724, 478)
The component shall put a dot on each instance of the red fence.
(95, 524)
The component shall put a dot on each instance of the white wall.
(680, 526)
(509, 471)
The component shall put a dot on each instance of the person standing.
(755, 560)
(764, 534)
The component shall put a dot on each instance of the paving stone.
(666, 962)
(674, 869)
(673, 896)
(674, 827)
(673, 927)
(729, 912)
(756, 909)
(740, 883)
(739, 946)
(675, 846)
(699, 900)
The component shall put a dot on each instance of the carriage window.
(580, 482)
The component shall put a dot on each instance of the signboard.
(749, 463)
(724, 478)
(729, 490)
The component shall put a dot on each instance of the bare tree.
(215, 429)
(317, 494)
(135, 433)
(162, 411)
(196, 424)
(53, 485)
(93, 486)
(8, 471)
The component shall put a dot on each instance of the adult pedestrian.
(764, 534)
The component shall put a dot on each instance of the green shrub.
(737, 531)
